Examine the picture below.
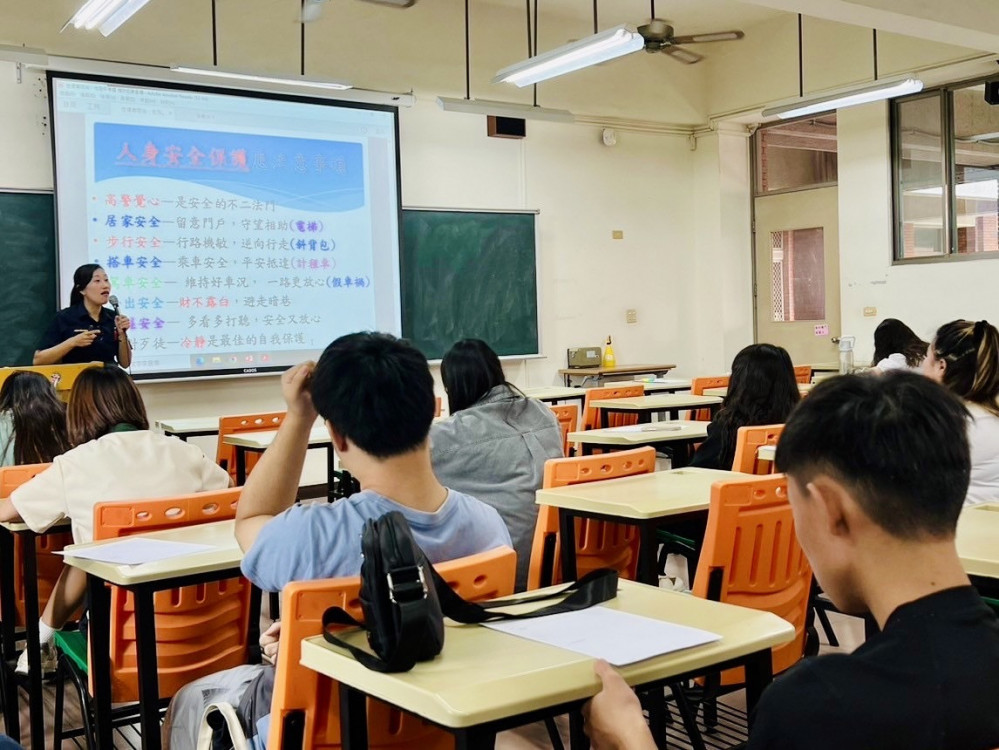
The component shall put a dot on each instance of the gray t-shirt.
(323, 540)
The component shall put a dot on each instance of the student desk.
(643, 501)
(8, 617)
(677, 433)
(143, 581)
(978, 547)
(803, 389)
(646, 406)
(486, 681)
(767, 453)
(663, 385)
(258, 442)
(189, 427)
(599, 373)
(552, 394)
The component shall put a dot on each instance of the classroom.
(662, 194)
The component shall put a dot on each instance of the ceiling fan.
(313, 9)
(659, 37)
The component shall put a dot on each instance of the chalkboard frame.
(538, 308)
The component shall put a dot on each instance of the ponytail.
(971, 351)
(985, 387)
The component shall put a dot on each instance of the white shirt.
(983, 437)
(117, 466)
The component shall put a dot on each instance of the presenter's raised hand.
(84, 338)
(295, 385)
(122, 323)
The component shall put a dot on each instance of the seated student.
(115, 457)
(32, 420)
(877, 472)
(376, 396)
(761, 390)
(897, 347)
(495, 443)
(964, 356)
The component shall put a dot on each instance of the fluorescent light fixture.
(504, 109)
(589, 51)
(877, 92)
(105, 15)
(305, 82)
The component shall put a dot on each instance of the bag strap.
(412, 615)
(594, 588)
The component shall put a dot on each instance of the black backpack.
(404, 600)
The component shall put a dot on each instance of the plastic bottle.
(846, 354)
(609, 360)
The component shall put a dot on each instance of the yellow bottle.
(609, 360)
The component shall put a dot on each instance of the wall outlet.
(631, 316)
(870, 312)
(617, 234)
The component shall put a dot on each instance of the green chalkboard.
(468, 274)
(28, 268)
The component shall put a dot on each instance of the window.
(796, 155)
(946, 173)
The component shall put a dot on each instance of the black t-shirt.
(709, 454)
(69, 322)
(930, 681)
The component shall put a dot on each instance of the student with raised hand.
(495, 443)
(761, 390)
(376, 396)
(32, 420)
(115, 457)
(897, 347)
(877, 473)
(964, 356)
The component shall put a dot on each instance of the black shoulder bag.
(404, 600)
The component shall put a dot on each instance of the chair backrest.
(748, 441)
(697, 388)
(568, 417)
(591, 416)
(599, 544)
(751, 557)
(225, 455)
(803, 373)
(49, 564)
(299, 691)
(437, 406)
(200, 629)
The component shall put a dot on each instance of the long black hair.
(81, 277)
(469, 370)
(761, 390)
(892, 336)
(39, 418)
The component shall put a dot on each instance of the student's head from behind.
(101, 399)
(38, 417)
(376, 392)
(469, 370)
(876, 466)
(964, 356)
(892, 336)
(90, 282)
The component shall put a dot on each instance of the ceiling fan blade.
(715, 36)
(683, 55)
(312, 10)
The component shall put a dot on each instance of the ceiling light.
(332, 85)
(504, 109)
(105, 15)
(877, 92)
(589, 51)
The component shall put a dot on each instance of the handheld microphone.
(114, 303)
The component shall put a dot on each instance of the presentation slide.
(241, 234)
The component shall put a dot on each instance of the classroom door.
(796, 247)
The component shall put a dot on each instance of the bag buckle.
(405, 587)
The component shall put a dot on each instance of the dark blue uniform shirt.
(70, 321)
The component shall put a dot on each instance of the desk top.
(484, 675)
(661, 401)
(187, 425)
(554, 392)
(636, 435)
(220, 535)
(262, 440)
(17, 527)
(669, 385)
(803, 388)
(617, 370)
(825, 367)
(661, 493)
(978, 540)
(766, 452)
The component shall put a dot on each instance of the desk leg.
(146, 665)
(681, 454)
(36, 708)
(240, 465)
(648, 563)
(353, 718)
(99, 634)
(759, 674)
(8, 616)
(577, 737)
(604, 418)
(567, 534)
(330, 472)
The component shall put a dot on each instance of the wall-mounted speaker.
(505, 127)
(992, 92)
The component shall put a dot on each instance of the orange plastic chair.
(697, 388)
(599, 544)
(748, 441)
(568, 417)
(437, 406)
(803, 374)
(311, 700)
(591, 416)
(225, 455)
(46, 545)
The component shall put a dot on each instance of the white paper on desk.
(619, 637)
(137, 551)
(649, 427)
